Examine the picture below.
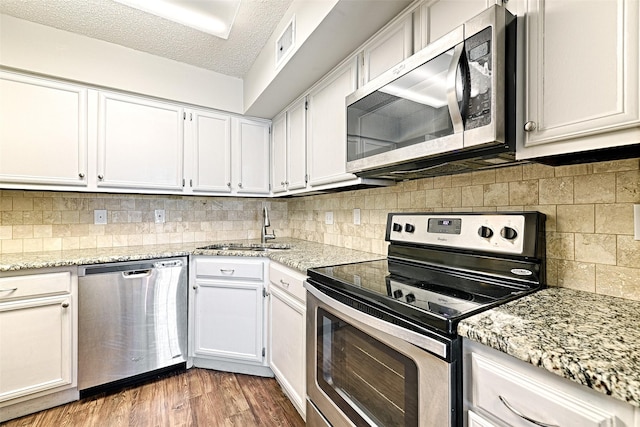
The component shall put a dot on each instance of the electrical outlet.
(328, 218)
(356, 216)
(100, 216)
(636, 222)
(158, 216)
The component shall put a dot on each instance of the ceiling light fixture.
(213, 17)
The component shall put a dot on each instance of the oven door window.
(372, 383)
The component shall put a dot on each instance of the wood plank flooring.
(197, 397)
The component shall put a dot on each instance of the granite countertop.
(299, 254)
(588, 338)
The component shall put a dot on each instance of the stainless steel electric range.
(382, 346)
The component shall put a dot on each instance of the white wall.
(40, 49)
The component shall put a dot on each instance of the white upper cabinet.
(43, 131)
(208, 152)
(288, 152)
(140, 143)
(438, 17)
(250, 156)
(327, 128)
(387, 49)
(581, 84)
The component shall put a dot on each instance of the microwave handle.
(452, 96)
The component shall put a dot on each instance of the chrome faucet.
(266, 223)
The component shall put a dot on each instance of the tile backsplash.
(33, 221)
(589, 208)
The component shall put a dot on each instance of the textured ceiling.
(113, 22)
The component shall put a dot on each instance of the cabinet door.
(279, 153)
(296, 145)
(326, 126)
(228, 320)
(388, 49)
(581, 75)
(37, 346)
(250, 156)
(210, 152)
(140, 143)
(287, 344)
(43, 131)
(438, 17)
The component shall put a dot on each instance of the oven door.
(363, 371)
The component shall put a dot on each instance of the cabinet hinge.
(306, 105)
(264, 293)
(184, 115)
(264, 351)
(306, 179)
(190, 117)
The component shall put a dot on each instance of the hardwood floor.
(198, 397)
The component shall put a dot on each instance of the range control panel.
(504, 233)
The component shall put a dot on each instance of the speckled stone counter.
(299, 255)
(591, 339)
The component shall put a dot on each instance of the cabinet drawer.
(496, 387)
(230, 268)
(288, 280)
(34, 285)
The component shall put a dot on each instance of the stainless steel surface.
(132, 319)
(396, 128)
(266, 223)
(434, 392)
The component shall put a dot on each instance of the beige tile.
(151, 239)
(88, 242)
(135, 240)
(617, 165)
(484, 177)
(105, 241)
(404, 199)
(12, 218)
(70, 217)
(11, 246)
(496, 194)
(32, 245)
(628, 187)
(23, 204)
(577, 275)
(6, 204)
(614, 218)
(599, 188)
(523, 193)
(537, 171)
(617, 281)
(628, 252)
(552, 272)
(572, 170)
(22, 231)
(461, 180)
(555, 191)
(6, 232)
(509, 174)
(433, 198)
(560, 245)
(52, 217)
(42, 204)
(596, 248)
(550, 212)
(451, 197)
(61, 230)
(70, 243)
(472, 195)
(52, 244)
(442, 181)
(575, 218)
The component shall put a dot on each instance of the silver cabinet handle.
(9, 290)
(239, 185)
(283, 283)
(195, 287)
(65, 305)
(530, 126)
(100, 177)
(227, 271)
(229, 184)
(524, 417)
(81, 175)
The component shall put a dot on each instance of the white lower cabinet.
(227, 314)
(287, 314)
(38, 336)
(503, 391)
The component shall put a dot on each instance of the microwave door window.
(410, 110)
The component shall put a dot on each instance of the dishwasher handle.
(134, 274)
(129, 267)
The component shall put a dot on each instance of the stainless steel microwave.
(449, 108)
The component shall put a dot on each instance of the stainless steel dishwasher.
(132, 322)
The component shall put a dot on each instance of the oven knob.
(397, 294)
(409, 228)
(508, 233)
(397, 227)
(410, 298)
(485, 232)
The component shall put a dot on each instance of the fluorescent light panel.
(213, 17)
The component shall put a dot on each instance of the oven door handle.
(429, 344)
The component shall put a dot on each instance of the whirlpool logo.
(442, 239)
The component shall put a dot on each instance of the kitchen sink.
(246, 247)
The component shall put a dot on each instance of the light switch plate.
(158, 216)
(636, 222)
(100, 216)
(356, 216)
(328, 218)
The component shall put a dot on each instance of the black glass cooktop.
(432, 297)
